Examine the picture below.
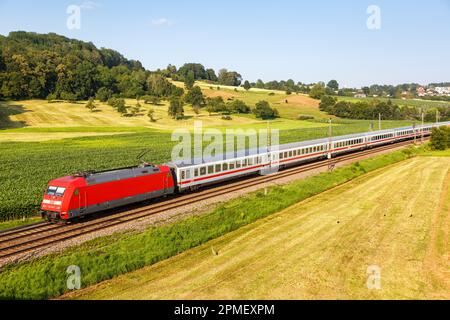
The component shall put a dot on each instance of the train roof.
(257, 151)
(92, 178)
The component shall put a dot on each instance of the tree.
(155, 100)
(326, 103)
(189, 80)
(122, 109)
(333, 85)
(161, 87)
(135, 110)
(260, 84)
(91, 105)
(366, 90)
(264, 111)
(151, 115)
(211, 75)
(195, 97)
(239, 106)
(247, 85)
(229, 78)
(176, 110)
(317, 91)
(104, 94)
(197, 70)
(440, 138)
(215, 104)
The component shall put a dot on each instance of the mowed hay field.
(396, 218)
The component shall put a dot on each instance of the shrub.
(264, 111)
(305, 117)
(440, 138)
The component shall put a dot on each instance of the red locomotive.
(86, 193)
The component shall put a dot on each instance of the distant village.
(420, 92)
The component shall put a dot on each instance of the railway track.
(31, 238)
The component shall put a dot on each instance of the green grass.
(105, 258)
(18, 223)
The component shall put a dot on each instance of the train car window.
(238, 164)
(210, 169)
(290, 154)
(232, 165)
(295, 153)
(202, 171)
(225, 166)
(51, 191)
(218, 167)
(250, 161)
(281, 156)
(285, 155)
(60, 191)
(183, 175)
(196, 172)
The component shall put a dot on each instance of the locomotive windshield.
(55, 191)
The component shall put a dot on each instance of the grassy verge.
(105, 258)
(18, 223)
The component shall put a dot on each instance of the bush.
(104, 94)
(305, 117)
(440, 138)
(264, 111)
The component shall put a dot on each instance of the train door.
(82, 196)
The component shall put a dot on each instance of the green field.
(320, 248)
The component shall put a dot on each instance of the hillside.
(52, 66)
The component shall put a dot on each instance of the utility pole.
(423, 123)
(414, 131)
(330, 145)
(379, 121)
(437, 116)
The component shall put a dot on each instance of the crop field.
(320, 248)
(26, 167)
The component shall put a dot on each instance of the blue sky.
(307, 41)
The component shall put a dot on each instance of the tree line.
(369, 110)
(55, 67)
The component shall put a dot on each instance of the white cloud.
(89, 5)
(162, 22)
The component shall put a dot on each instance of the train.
(82, 194)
